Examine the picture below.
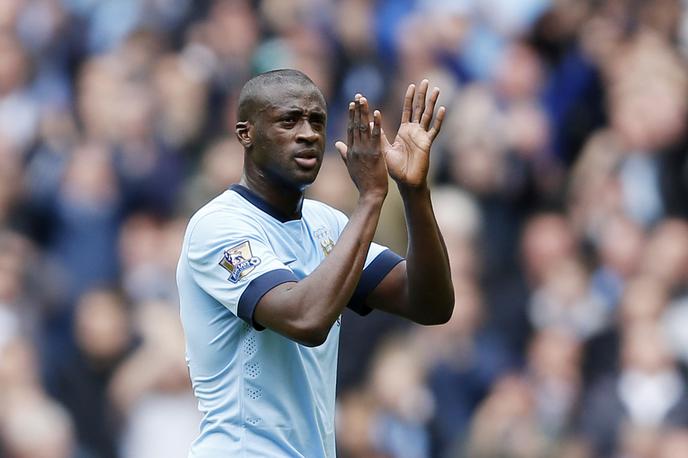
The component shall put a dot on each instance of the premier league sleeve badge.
(239, 261)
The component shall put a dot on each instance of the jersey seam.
(193, 228)
(242, 388)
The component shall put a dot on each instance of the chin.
(306, 178)
(306, 183)
(298, 181)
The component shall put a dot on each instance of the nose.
(306, 133)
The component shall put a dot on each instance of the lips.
(307, 159)
(306, 162)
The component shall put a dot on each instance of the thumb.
(342, 149)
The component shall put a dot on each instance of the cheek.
(267, 147)
(271, 155)
(274, 138)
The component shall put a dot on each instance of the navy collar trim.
(261, 204)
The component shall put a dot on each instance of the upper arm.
(233, 262)
(284, 311)
(379, 277)
(391, 293)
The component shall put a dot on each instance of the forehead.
(292, 96)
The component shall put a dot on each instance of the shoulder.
(226, 214)
(314, 208)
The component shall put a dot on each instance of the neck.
(286, 199)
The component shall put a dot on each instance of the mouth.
(307, 159)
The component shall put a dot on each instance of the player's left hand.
(408, 157)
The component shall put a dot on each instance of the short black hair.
(251, 94)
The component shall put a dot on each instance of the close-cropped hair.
(251, 94)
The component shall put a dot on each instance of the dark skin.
(283, 157)
(290, 123)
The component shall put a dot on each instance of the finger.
(350, 125)
(365, 119)
(419, 101)
(437, 125)
(342, 149)
(408, 103)
(385, 141)
(357, 122)
(430, 109)
(377, 127)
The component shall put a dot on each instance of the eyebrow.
(295, 111)
(289, 111)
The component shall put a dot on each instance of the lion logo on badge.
(239, 261)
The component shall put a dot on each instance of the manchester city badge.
(324, 239)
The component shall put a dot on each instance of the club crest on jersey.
(239, 261)
(324, 239)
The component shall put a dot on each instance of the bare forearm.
(328, 288)
(430, 294)
(306, 310)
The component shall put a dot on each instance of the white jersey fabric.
(260, 393)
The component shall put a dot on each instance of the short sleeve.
(233, 262)
(379, 262)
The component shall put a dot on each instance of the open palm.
(408, 157)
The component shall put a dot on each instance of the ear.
(244, 132)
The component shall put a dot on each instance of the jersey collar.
(261, 204)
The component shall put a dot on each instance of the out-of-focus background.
(560, 182)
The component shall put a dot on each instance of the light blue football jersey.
(261, 394)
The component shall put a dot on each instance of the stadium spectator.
(559, 182)
(151, 391)
(103, 339)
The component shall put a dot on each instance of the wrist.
(372, 198)
(414, 191)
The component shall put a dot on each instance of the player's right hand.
(362, 153)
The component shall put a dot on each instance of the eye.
(318, 122)
(288, 122)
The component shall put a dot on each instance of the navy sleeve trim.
(370, 278)
(257, 289)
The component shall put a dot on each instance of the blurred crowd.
(560, 182)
